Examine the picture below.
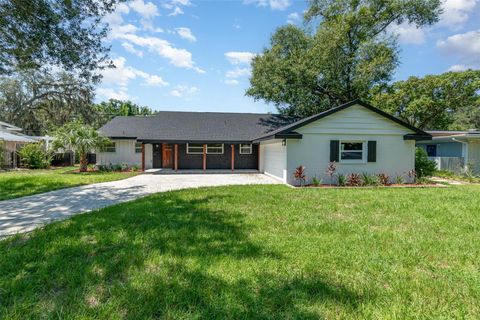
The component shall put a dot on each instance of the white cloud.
(239, 57)
(122, 74)
(176, 12)
(238, 72)
(181, 58)
(456, 12)
(458, 67)
(130, 48)
(465, 46)
(146, 10)
(294, 18)
(273, 4)
(181, 91)
(186, 34)
(232, 82)
(115, 18)
(182, 2)
(109, 93)
(408, 33)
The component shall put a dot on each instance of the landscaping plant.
(80, 138)
(2, 153)
(354, 180)
(34, 156)
(316, 181)
(399, 179)
(424, 167)
(331, 170)
(383, 178)
(342, 180)
(300, 175)
(369, 179)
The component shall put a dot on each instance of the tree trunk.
(83, 163)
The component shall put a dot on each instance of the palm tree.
(79, 138)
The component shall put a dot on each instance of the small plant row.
(114, 167)
(356, 179)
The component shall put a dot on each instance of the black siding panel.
(218, 161)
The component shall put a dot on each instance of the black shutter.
(372, 151)
(334, 150)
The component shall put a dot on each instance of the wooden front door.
(167, 155)
(157, 155)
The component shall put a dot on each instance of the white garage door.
(274, 160)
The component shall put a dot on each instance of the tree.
(108, 109)
(38, 101)
(446, 101)
(79, 138)
(303, 73)
(48, 33)
(424, 167)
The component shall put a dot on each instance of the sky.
(194, 55)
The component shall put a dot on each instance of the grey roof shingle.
(195, 126)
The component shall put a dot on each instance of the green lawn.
(14, 184)
(246, 252)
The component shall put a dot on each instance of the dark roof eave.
(291, 135)
(417, 137)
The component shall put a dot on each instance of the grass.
(264, 252)
(450, 175)
(14, 184)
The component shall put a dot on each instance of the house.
(11, 140)
(454, 150)
(356, 135)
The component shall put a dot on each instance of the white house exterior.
(395, 156)
(356, 136)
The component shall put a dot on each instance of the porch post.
(258, 157)
(143, 157)
(204, 158)
(175, 164)
(233, 157)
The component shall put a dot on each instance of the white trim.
(248, 145)
(188, 152)
(215, 153)
(353, 161)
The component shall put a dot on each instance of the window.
(138, 147)
(109, 147)
(352, 151)
(197, 148)
(194, 148)
(215, 148)
(245, 149)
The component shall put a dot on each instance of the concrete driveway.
(27, 213)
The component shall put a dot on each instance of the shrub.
(34, 156)
(369, 179)
(2, 153)
(300, 175)
(316, 181)
(90, 167)
(124, 167)
(342, 180)
(354, 180)
(331, 170)
(412, 174)
(135, 167)
(423, 166)
(383, 178)
(399, 179)
(116, 167)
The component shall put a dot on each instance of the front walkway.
(27, 213)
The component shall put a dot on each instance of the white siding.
(273, 159)
(148, 156)
(124, 153)
(395, 156)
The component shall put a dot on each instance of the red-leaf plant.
(300, 175)
(383, 178)
(354, 180)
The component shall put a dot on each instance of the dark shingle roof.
(195, 126)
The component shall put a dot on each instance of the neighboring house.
(12, 140)
(359, 137)
(454, 150)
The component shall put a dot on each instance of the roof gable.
(291, 129)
